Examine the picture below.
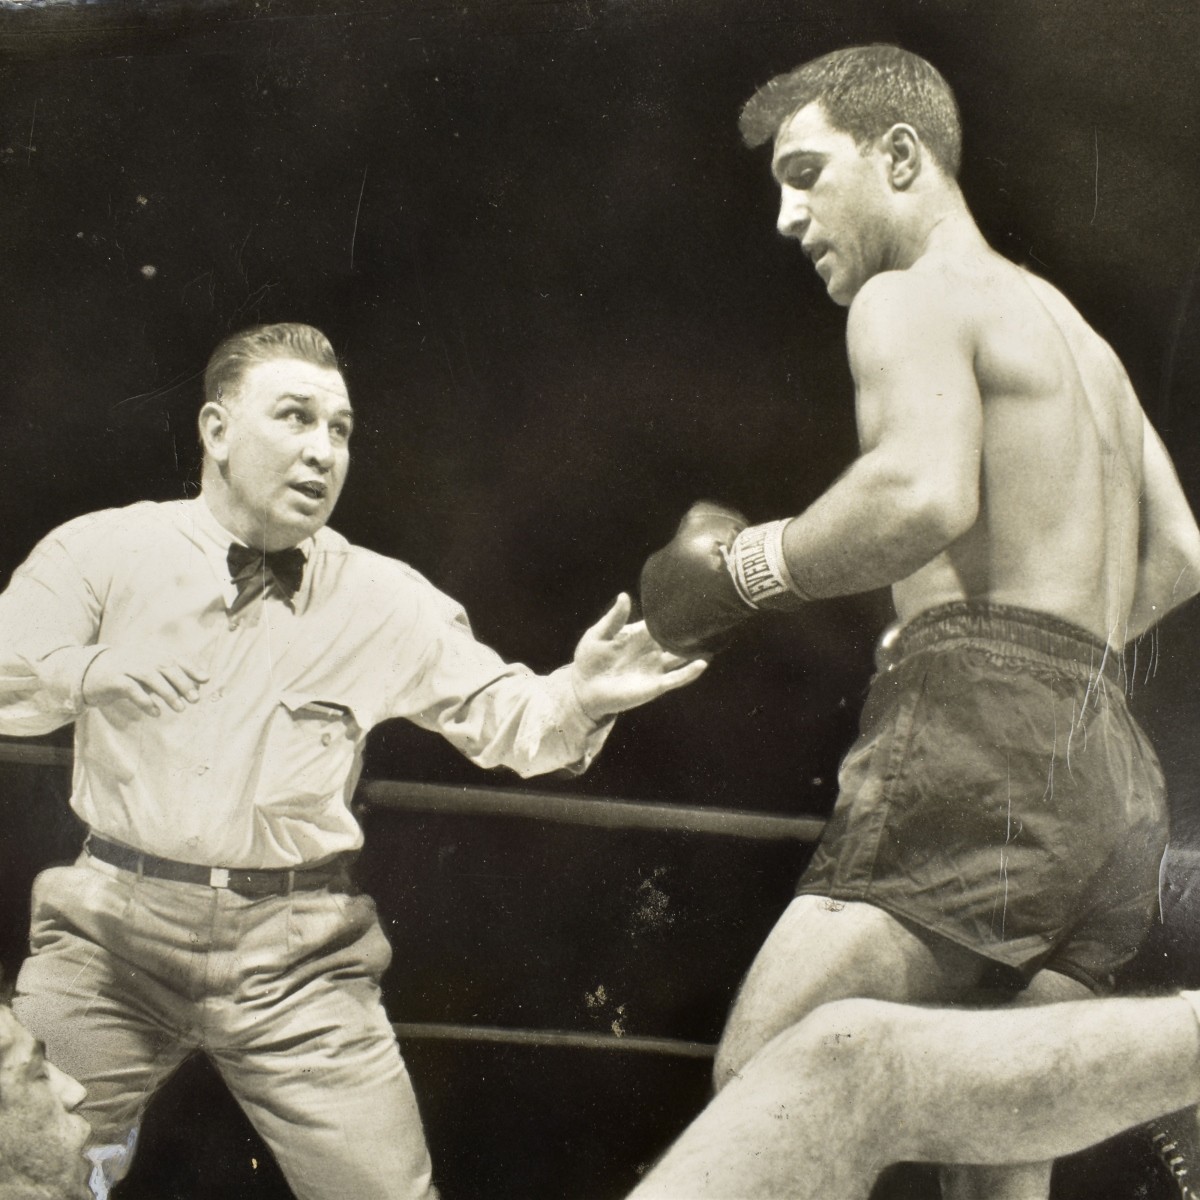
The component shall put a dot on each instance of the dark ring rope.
(560, 809)
(551, 1038)
(543, 806)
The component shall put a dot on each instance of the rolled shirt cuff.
(62, 673)
(576, 727)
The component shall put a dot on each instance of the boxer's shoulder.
(899, 315)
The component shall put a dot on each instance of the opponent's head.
(276, 425)
(41, 1138)
(859, 134)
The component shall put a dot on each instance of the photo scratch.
(357, 211)
(32, 126)
(1096, 184)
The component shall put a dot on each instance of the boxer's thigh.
(1018, 1181)
(823, 949)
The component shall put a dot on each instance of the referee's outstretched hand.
(618, 665)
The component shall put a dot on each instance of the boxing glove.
(714, 574)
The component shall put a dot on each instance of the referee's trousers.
(128, 975)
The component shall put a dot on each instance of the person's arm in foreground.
(860, 1084)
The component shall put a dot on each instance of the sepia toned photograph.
(598, 600)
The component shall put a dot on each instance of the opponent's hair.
(263, 343)
(863, 91)
(7, 1041)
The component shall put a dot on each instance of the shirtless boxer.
(1001, 813)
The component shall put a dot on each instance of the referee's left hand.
(619, 665)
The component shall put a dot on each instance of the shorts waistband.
(334, 874)
(966, 620)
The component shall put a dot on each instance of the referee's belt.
(334, 875)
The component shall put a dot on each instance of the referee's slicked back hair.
(863, 91)
(263, 343)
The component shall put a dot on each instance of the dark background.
(531, 230)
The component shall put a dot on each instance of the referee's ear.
(214, 430)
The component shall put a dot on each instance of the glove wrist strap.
(757, 565)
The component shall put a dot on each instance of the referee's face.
(282, 446)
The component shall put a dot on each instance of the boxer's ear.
(906, 155)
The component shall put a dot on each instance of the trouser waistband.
(334, 874)
(967, 620)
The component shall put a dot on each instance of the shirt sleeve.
(49, 619)
(498, 714)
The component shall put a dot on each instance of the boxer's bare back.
(1005, 456)
(1060, 461)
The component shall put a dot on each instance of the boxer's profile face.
(281, 442)
(834, 200)
(41, 1138)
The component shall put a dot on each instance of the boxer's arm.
(711, 577)
(913, 490)
(1169, 552)
(915, 487)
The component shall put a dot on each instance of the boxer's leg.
(1024, 1181)
(805, 1119)
(859, 1085)
(822, 950)
(999, 1085)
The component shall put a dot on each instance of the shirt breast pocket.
(314, 749)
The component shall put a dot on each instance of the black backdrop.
(552, 270)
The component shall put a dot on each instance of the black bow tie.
(254, 571)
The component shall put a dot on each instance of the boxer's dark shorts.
(1001, 795)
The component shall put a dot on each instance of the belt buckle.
(218, 877)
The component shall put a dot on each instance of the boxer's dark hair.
(863, 91)
(263, 343)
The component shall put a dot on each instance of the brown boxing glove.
(714, 574)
